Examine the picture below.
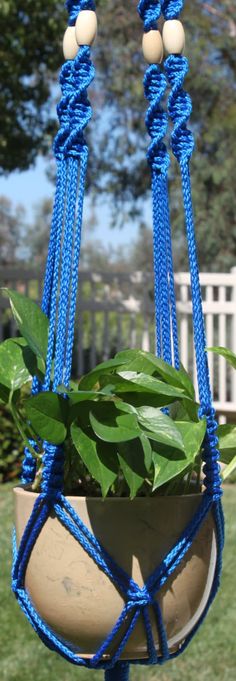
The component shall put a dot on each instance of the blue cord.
(157, 122)
(59, 303)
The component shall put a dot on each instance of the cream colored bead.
(86, 27)
(173, 37)
(70, 46)
(152, 47)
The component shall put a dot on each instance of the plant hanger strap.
(155, 85)
(61, 277)
(59, 304)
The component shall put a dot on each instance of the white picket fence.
(219, 306)
(116, 311)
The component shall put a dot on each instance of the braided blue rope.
(171, 280)
(59, 303)
(157, 121)
(182, 143)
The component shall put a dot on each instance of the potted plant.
(129, 442)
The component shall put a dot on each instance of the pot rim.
(21, 489)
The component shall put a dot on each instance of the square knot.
(139, 597)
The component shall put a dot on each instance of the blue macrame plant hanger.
(59, 304)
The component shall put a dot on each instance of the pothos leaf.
(47, 413)
(132, 463)
(111, 426)
(99, 457)
(13, 371)
(31, 321)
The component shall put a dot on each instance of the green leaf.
(123, 406)
(147, 450)
(138, 395)
(4, 394)
(31, 321)
(145, 362)
(98, 457)
(34, 363)
(89, 381)
(47, 413)
(165, 430)
(86, 395)
(136, 360)
(111, 426)
(186, 382)
(193, 435)
(143, 382)
(13, 371)
(80, 405)
(229, 469)
(169, 462)
(227, 354)
(227, 442)
(132, 463)
(186, 410)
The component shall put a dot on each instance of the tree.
(30, 48)
(118, 139)
(12, 226)
(37, 236)
(119, 164)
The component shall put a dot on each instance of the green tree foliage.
(118, 165)
(30, 49)
(36, 240)
(11, 228)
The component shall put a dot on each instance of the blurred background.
(115, 308)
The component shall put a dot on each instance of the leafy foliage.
(118, 166)
(12, 228)
(28, 65)
(130, 426)
(11, 447)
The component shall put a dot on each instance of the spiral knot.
(53, 467)
(156, 119)
(149, 11)
(138, 597)
(171, 9)
(75, 6)
(211, 454)
(179, 107)
(74, 110)
(28, 466)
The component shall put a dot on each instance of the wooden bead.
(70, 46)
(152, 47)
(173, 36)
(86, 27)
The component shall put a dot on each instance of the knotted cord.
(59, 304)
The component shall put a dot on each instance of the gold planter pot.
(80, 603)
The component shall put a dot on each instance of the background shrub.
(11, 447)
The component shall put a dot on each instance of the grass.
(211, 656)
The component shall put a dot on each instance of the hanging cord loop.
(61, 276)
(182, 143)
(157, 122)
(59, 303)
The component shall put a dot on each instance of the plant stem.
(17, 421)
(37, 480)
(188, 480)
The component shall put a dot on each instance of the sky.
(29, 187)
